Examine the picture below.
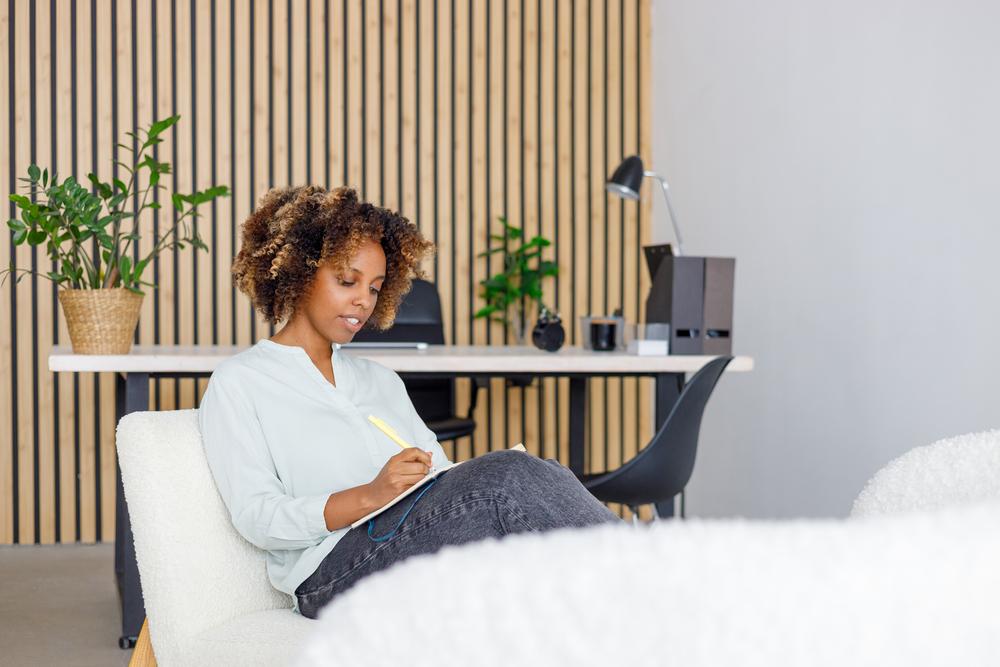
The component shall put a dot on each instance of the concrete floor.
(59, 606)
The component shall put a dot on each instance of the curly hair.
(295, 230)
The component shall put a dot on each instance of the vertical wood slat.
(529, 213)
(613, 220)
(453, 112)
(67, 470)
(457, 251)
(513, 182)
(564, 187)
(630, 241)
(243, 149)
(163, 269)
(496, 398)
(21, 438)
(597, 206)
(547, 201)
(8, 385)
(45, 457)
(479, 227)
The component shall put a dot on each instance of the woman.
(285, 423)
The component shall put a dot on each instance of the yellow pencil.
(388, 430)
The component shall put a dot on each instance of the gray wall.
(848, 155)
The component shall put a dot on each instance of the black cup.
(602, 335)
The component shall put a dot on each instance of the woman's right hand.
(398, 474)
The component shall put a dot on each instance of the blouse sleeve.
(261, 510)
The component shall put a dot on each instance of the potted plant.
(519, 285)
(100, 292)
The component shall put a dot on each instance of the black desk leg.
(668, 390)
(131, 395)
(577, 423)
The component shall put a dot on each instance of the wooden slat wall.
(455, 112)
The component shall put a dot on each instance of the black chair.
(663, 468)
(419, 320)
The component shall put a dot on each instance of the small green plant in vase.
(514, 294)
(100, 292)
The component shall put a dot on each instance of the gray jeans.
(490, 496)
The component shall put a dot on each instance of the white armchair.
(207, 595)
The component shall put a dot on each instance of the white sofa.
(914, 588)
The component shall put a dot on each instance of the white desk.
(452, 359)
(135, 369)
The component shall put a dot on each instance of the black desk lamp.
(625, 183)
(693, 295)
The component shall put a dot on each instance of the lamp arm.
(670, 207)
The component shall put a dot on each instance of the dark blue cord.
(388, 536)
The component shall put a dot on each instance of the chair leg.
(664, 510)
(142, 654)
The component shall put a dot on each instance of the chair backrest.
(419, 320)
(663, 468)
(196, 570)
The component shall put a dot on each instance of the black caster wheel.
(127, 642)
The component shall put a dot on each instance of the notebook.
(428, 477)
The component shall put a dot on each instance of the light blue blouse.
(280, 439)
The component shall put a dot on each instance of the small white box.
(648, 347)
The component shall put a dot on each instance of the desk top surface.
(435, 358)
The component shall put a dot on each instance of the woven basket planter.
(101, 321)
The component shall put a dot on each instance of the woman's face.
(340, 301)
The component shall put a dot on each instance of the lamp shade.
(626, 179)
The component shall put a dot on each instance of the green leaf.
(160, 126)
(500, 281)
(487, 253)
(34, 173)
(178, 201)
(37, 236)
(117, 200)
(21, 201)
(125, 268)
(120, 184)
(140, 266)
(486, 312)
(219, 191)
(103, 189)
(19, 236)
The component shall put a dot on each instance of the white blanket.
(910, 589)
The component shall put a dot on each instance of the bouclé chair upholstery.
(208, 599)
